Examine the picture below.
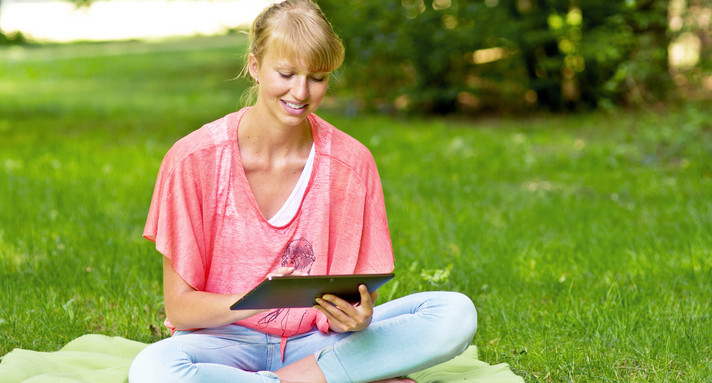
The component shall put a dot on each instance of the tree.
(15, 38)
(439, 56)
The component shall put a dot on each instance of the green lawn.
(585, 240)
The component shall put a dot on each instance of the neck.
(264, 137)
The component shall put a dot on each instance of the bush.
(444, 56)
(14, 38)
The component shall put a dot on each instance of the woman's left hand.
(344, 316)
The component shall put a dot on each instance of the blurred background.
(445, 56)
(65, 21)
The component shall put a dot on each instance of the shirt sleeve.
(375, 253)
(322, 323)
(174, 220)
(376, 250)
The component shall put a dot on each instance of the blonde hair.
(298, 31)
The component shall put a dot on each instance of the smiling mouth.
(293, 108)
(294, 105)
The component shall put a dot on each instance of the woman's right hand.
(281, 272)
(187, 308)
(285, 271)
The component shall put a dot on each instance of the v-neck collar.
(241, 182)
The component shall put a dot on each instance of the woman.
(275, 190)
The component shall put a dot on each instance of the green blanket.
(99, 358)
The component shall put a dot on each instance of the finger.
(348, 312)
(281, 272)
(364, 309)
(284, 270)
(335, 323)
(354, 316)
(333, 305)
(366, 299)
(340, 321)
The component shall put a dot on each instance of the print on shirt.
(300, 255)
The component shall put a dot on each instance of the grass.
(584, 240)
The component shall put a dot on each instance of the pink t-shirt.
(204, 218)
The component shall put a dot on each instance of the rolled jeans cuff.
(268, 377)
(331, 366)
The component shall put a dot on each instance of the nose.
(300, 89)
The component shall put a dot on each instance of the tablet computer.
(302, 291)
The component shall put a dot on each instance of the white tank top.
(291, 206)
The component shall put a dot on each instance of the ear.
(253, 66)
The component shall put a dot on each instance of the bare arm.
(187, 308)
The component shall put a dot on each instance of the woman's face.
(287, 92)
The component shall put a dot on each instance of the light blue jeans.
(406, 335)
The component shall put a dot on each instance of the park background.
(551, 159)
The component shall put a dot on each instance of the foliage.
(12, 38)
(583, 240)
(690, 23)
(441, 56)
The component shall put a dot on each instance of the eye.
(285, 75)
(318, 78)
